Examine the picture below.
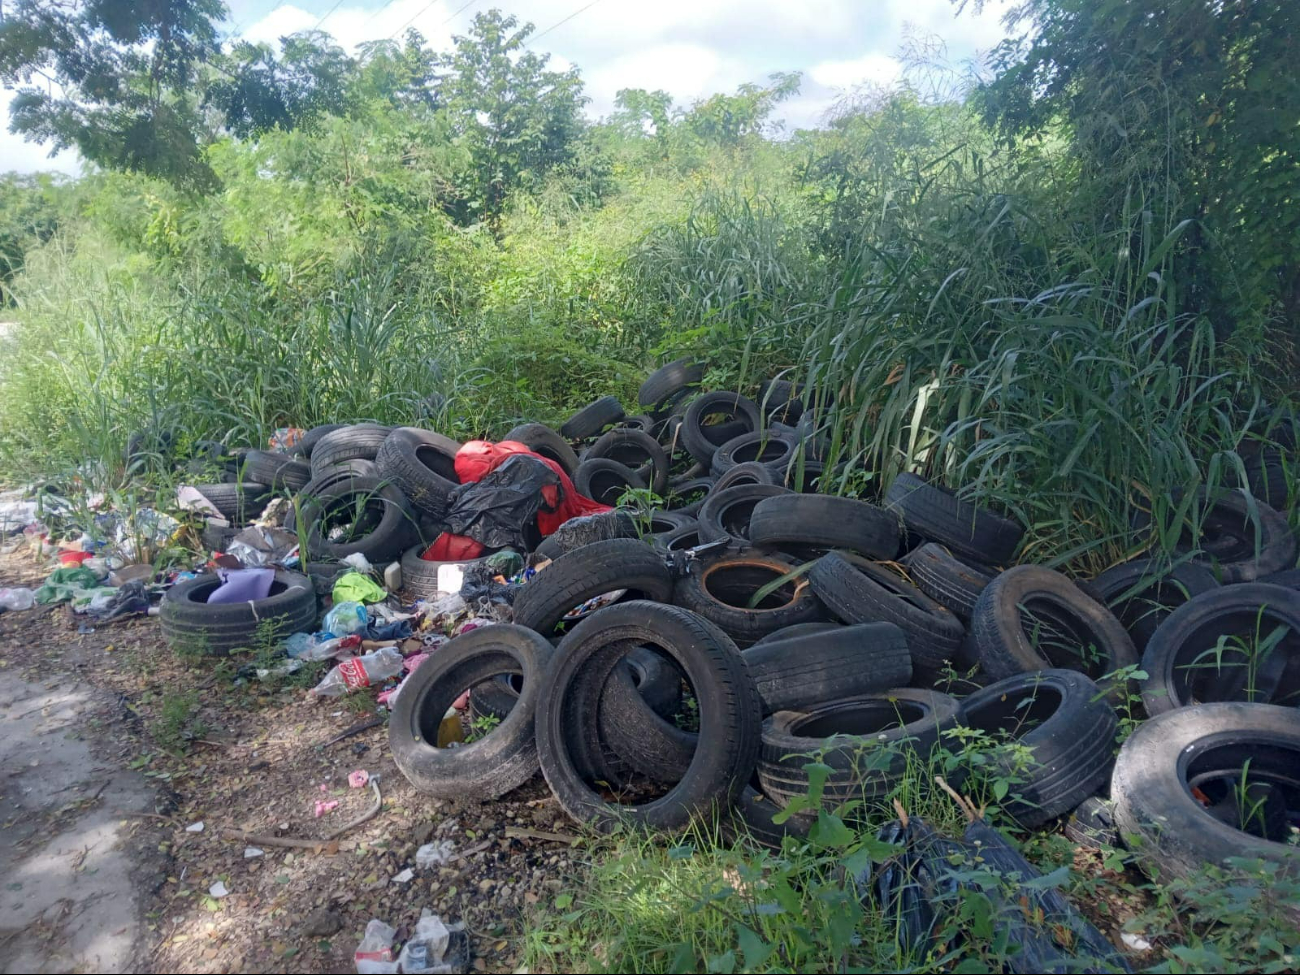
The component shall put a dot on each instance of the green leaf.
(754, 948)
(830, 831)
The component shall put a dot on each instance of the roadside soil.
(112, 749)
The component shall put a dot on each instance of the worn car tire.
(389, 529)
(1227, 543)
(190, 624)
(635, 449)
(420, 576)
(423, 465)
(238, 503)
(772, 449)
(750, 472)
(720, 589)
(506, 757)
(593, 418)
(1186, 662)
(702, 439)
(605, 481)
(797, 522)
(1160, 817)
(948, 580)
(725, 513)
(668, 381)
(361, 441)
(937, 514)
(308, 441)
(1091, 824)
(730, 716)
(1065, 722)
(542, 440)
(858, 590)
(1005, 648)
(281, 471)
(807, 668)
(578, 575)
(881, 733)
(1143, 593)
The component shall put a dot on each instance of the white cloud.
(25, 157)
(690, 48)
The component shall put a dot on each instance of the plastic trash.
(142, 530)
(353, 587)
(393, 577)
(319, 646)
(358, 562)
(192, 499)
(435, 854)
(376, 666)
(283, 668)
(435, 947)
(63, 584)
(258, 546)
(242, 586)
(375, 953)
(345, 618)
(17, 598)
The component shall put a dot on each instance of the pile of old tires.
(718, 655)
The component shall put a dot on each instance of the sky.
(690, 48)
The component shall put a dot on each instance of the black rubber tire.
(189, 624)
(725, 514)
(639, 736)
(802, 629)
(393, 531)
(948, 580)
(1072, 740)
(780, 400)
(344, 474)
(593, 418)
(215, 538)
(820, 522)
(577, 532)
(420, 576)
(719, 589)
(281, 472)
(238, 503)
(700, 487)
(637, 450)
(729, 709)
(1227, 543)
(605, 481)
(360, 441)
(750, 472)
(1092, 824)
(357, 467)
(668, 381)
(542, 440)
(423, 465)
(752, 815)
(906, 721)
(1290, 578)
(506, 757)
(773, 450)
(807, 669)
(308, 441)
(1006, 649)
(660, 522)
(1185, 665)
(678, 540)
(939, 515)
(858, 590)
(1271, 481)
(1173, 832)
(1143, 593)
(642, 421)
(702, 440)
(601, 567)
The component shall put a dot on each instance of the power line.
(454, 14)
(386, 4)
(561, 23)
(234, 31)
(325, 16)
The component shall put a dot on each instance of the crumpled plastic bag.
(63, 584)
(353, 587)
(242, 586)
(127, 600)
(142, 529)
(257, 546)
(480, 582)
(345, 619)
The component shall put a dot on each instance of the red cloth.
(479, 458)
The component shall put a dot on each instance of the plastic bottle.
(376, 666)
(375, 953)
(17, 598)
(344, 619)
(425, 949)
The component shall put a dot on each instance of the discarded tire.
(279, 471)
(1143, 593)
(1069, 729)
(806, 667)
(238, 503)
(1180, 798)
(753, 817)
(721, 590)
(867, 741)
(361, 515)
(421, 577)
(858, 590)
(542, 440)
(750, 472)
(308, 441)
(584, 573)
(423, 465)
(702, 438)
(773, 450)
(215, 538)
(687, 497)
(1033, 618)
(779, 399)
(1227, 543)
(725, 513)
(360, 441)
(937, 514)
(728, 706)
(605, 480)
(668, 381)
(593, 418)
(636, 450)
(640, 735)
(948, 580)
(191, 625)
(814, 523)
(1235, 643)
(506, 757)
(1091, 824)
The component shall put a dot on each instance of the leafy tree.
(405, 75)
(1182, 108)
(112, 79)
(729, 120)
(516, 119)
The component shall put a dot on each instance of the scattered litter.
(241, 586)
(435, 854)
(1135, 941)
(195, 827)
(359, 562)
(345, 618)
(353, 587)
(358, 779)
(218, 890)
(374, 955)
(251, 851)
(405, 877)
(17, 598)
(324, 806)
(435, 948)
(376, 666)
(257, 546)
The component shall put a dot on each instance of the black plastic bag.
(498, 509)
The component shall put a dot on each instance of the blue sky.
(691, 48)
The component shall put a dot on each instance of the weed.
(178, 721)
(480, 726)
